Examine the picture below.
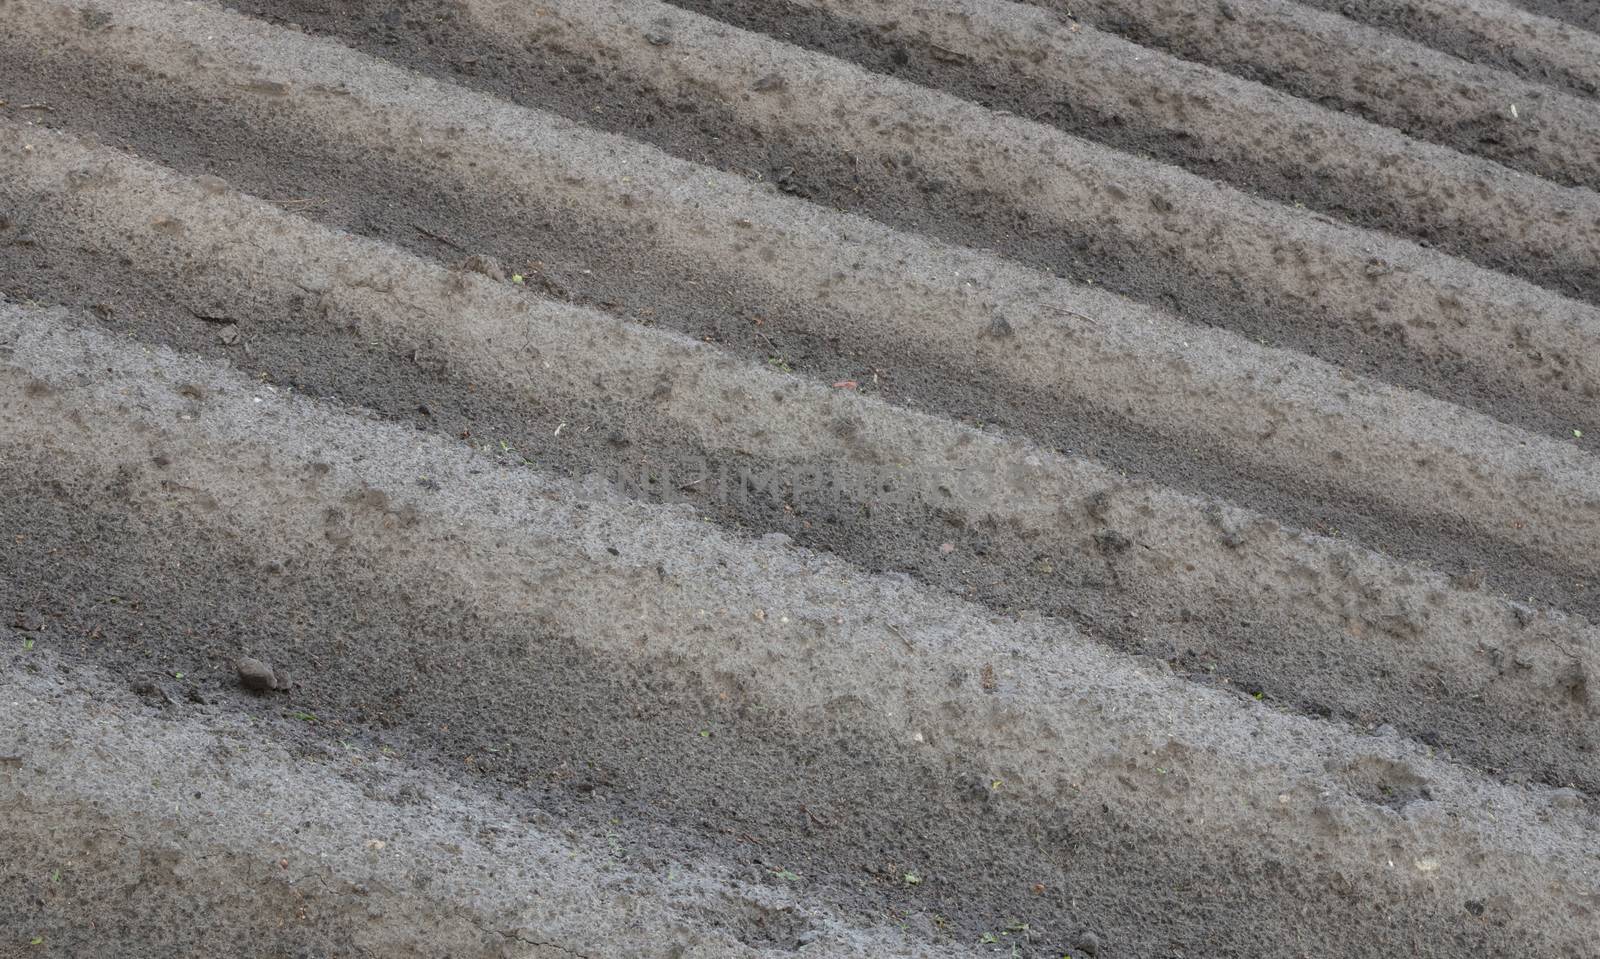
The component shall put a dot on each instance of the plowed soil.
(926, 478)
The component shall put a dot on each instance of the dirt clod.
(999, 328)
(1089, 944)
(487, 265)
(256, 675)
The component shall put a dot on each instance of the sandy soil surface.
(928, 477)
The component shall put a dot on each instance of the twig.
(775, 351)
(1064, 310)
(439, 237)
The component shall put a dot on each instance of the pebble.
(1089, 944)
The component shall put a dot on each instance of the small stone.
(256, 675)
(659, 38)
(229, 335)
(771, 83)
(1089, 944)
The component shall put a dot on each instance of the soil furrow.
(1223, 594)
(1343, 65)
(1030, 62)
(1579, 13)
(529, 157)
(309, 845)
(1488, 32)
(923, 478)
(926, 712)
(1063, 206)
